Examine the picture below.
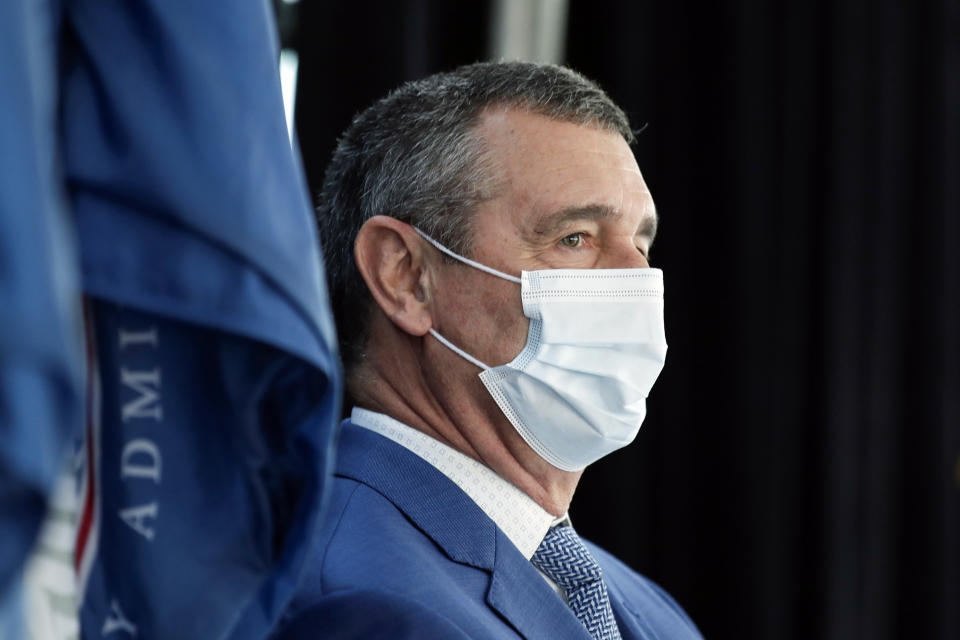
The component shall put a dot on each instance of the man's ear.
(390, 258)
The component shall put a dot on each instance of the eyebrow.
(554, 223)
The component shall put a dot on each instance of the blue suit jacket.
(405, 553)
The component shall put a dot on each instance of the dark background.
(798, 474)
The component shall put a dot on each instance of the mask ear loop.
(457, 350)
(475, 265)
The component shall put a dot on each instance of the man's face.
(570, 197)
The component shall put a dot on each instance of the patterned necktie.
(563, 558)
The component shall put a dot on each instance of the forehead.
(549, 167)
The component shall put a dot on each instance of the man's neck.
(476, 429)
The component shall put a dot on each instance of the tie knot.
(563, 557)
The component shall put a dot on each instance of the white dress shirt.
(521, 519)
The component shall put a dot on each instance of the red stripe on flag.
(89, 498)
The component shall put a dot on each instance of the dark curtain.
(798, 475)
(353, 52)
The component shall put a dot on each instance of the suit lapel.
(630, 627)
(521, 595)
(448, 516)
(436, 505)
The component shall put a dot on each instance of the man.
(487, 234)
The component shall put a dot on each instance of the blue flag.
(216, 394)
(206, 481)
(40, 332)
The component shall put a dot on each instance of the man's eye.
(572, 241)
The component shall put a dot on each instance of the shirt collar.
(520, 518)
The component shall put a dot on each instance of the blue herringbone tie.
(564, 559)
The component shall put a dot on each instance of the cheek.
(506, 328)
(482, 316)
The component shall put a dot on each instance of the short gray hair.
(413, 156)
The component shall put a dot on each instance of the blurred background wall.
(798, 474)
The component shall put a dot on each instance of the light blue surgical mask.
(596, 344)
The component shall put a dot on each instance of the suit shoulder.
(366, 542)
(372, 573)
